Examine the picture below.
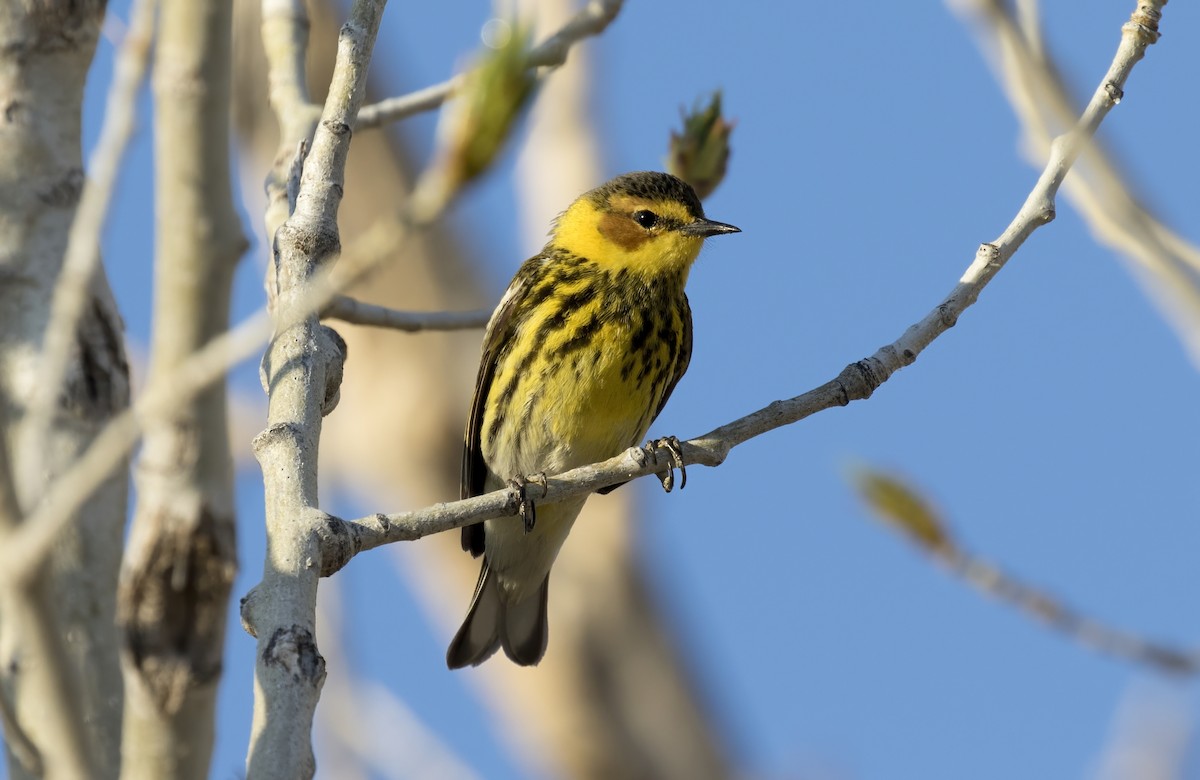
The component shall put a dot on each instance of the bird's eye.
(646, 219)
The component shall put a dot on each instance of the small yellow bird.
(579, 357)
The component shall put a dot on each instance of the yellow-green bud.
(699, 153)
(900, 506)
(493, 93)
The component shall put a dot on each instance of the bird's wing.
(499, 332)
(681, 363)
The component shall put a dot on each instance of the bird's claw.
(671, 445)
(525, 506)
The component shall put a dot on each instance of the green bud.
(699, 153)
(902, 507)
(493, 94)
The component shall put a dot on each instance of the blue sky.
(1054, 426)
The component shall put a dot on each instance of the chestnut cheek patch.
(622, 231)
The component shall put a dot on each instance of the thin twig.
(354, 311)
(1101, 192)
(52, 680)
(285, 25)
(285, 28)
(23, 749)
(990, 579)
(902, 508)
(72, 291)
(591, 20)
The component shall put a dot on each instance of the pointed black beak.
(706, 227)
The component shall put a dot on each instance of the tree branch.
(302, 369)
(1100, 192)
(348, 309)
(64, 376)
(341, 540)
(285, 27)
(902, 508)
(73, 291)
(591, 20)
(180, 559)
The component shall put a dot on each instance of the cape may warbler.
(578, 359)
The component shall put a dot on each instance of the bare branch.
(1100, 191)
(64, 376)
(19, 743)
(591, 20)
(350, 310)
(901, 507)
(72, 292)
(302, 369)
(857, 381)
(180, 559)
(1035, 602)
(285, 26)
(50, 680)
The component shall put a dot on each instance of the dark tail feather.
(520, 628)
(526, 629)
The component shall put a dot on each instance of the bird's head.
(647, 222)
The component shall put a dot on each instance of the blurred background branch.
(1165, 263)
(181, 555)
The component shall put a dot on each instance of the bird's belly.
(521, 561)
(585, 380)
(597, 408)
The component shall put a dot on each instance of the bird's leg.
(525, 505)
(671, 445)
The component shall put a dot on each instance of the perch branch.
(343, 539)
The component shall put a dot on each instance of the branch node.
(843, 390)
(1114, 93)
(1143, 23)
(294, 649)
(246, 612)
(947, 315)
(989, 253)
(172, 600)
(337, 128)
(337, 540)
(294, 171)
(271, 435)
(316, 239)
(333, 348)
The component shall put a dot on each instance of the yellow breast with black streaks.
(587, 368)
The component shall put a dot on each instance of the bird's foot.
(525, 506)
(675, 450)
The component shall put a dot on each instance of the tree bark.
(181, 559)
(45, 51)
